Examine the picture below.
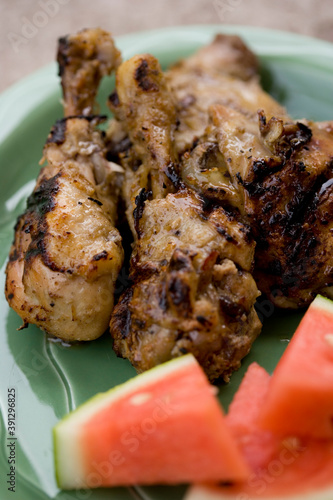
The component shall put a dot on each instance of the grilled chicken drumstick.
(191, 290)
(83, 60)
(67, 252)
(274, 172)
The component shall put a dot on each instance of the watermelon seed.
(139, 399)
(292, 442)
(329, 339)
(214, 390)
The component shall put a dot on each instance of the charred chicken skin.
(67, 253)
(288, 200)
(240, 148)
(191, 290)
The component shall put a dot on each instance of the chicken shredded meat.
(67, 253)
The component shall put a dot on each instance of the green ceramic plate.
(51, 379)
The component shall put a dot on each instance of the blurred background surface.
(29, 28)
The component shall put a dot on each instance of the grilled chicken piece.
(224, 72)
(275, 172)
(287, 177)
(191, 290)
(150, 120)
(83, 59)
(67, 253)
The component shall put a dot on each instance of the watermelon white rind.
(325, 303)
(197, 492)
(69, 466)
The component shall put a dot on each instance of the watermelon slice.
(249, 398)
(201, 492)
(163, 426)
(303, 472)
(258, 446)
(282, 469)
(300, 399)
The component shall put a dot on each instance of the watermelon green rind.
(72, 457)
(198, 492)
(68, 459)
(323, 303)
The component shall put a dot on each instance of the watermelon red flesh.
(164, 426)
(245, 407)
(269, 488)
(303, 475)
(257, 446)
(292, 469)
(300, 398)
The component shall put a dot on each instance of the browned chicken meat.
(287, 177)
(83, 60)
(224, 72)
(191, 290)
(240, 148)
(67, 252)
